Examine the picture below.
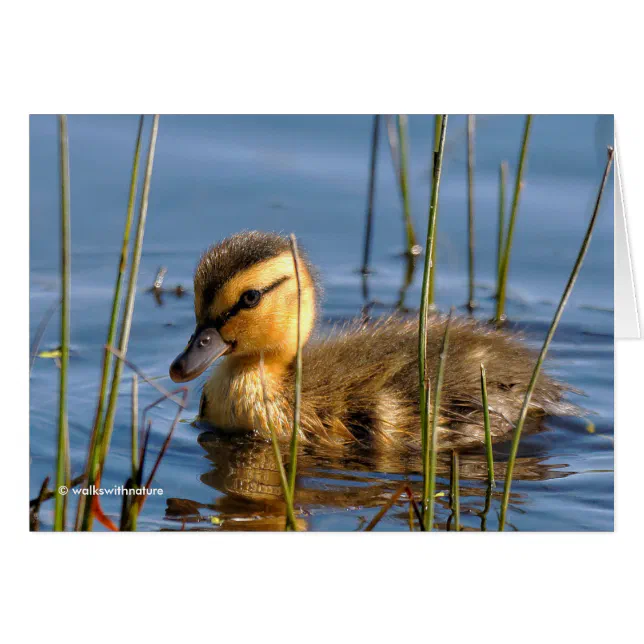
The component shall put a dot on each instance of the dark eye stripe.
(234, 310)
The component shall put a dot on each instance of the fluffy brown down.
(361, 383)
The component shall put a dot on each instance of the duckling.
(360, 382)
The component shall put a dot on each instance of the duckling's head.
(246, 303)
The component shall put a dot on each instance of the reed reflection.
(244, 471)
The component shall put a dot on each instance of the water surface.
(215, 175)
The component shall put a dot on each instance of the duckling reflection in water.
(353, 479)
(359, 383)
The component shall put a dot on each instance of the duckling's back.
(360, 383)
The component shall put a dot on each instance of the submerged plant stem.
(62, 461)
(546, 344)
(505, 261)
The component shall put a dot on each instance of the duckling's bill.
(205, 346)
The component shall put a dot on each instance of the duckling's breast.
(233, 400)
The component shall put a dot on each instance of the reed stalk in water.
(488, 431)
(181, 405)
(399, 145)
(292, 468)
(503, 182)
(286, 491)
(412, 245)
(135, 426)
(486, 508)
(62, 461)
(93, 452)
(40, 332)
(130, 510)
(471, 126)
(136, 475)
(505, 261)
(429, 454)
(413, 508)
(368, 233)
(438, 125)
(50, 494)
(128, 314)
(455, 496)
(104, 436)
(423, 376)
(546, 345)
(34, 507)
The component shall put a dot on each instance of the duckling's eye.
(251, 298)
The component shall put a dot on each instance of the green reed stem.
(403, 137)
(103, 441)
(368, 235)
(429, 455)
(438, 124)
(292, 471)
(488, 431)
(62, 458)
(128, 314)
(93, 452)
(551, 331)
(423, 377)
(456, 492)
(286, 491)
(471, 126)
(505, 261)
(503, 183)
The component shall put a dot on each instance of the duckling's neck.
(275, 365)
(234, 396)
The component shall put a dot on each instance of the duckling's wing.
(365, 375)
(353, 379)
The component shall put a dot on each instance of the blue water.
(215, 175)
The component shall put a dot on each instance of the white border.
(327, 57)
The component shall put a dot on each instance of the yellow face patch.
(271, 326)
(257, 277)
